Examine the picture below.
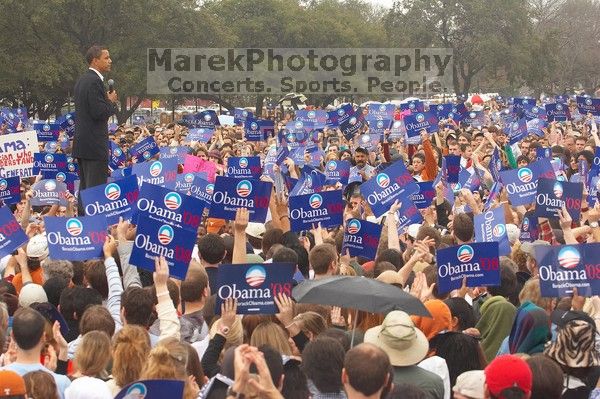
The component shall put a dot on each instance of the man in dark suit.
(93, 106)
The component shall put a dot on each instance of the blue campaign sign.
(78, 238)
(120, 173)
(337, 171)
(254, 286)
(10, 190)
(67, 123)
(381, 111)
(521, 184)
(361, 238)
(564, 267)
(529, 227)
(152, 389)
(47, 131)
(413, 106)
(557, 112)
(243, 167)
(159, 173)
(230, 194)
(393, 183)
(368, 141)
(535, 112)
(168, 207)
(176, 152)
(318, 118)
(478, 262)
(493, 194)
(517, 130)
(202, 135)
(520, 103)
(442, 111)
(185, 181)
(397, 130)
(47, 162)
(474, 118)
(587, 105)
(116, 156)
(379, 126)
(342, 114)
(297, 133)
(202, 189)
(543, 152)
(253, 131)
(267, 127)
(491, 227)
(416, 122)
(144, 150)
(553, 194)
(352, 125)
(49, 192)
(422, 199)
(112, 200)
(452, 168)
(282, 153)
(12, 235)
(407, 214)
(154, 238)
(207, 119)
(535, 126)
(326, 207)
(240, 116)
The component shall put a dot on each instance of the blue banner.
(282, 153)
(152, 389)
(442, 111)
(297, 133)
(368, 141)
(361, 238)
(80, 238)
(381, 111)
(168, 207)
(230, 194)
(67, 123)
(116, 157)
(393, 183)
(529, 228)
(564, 267)
(587, 105)
(243, 167)
(49, 192)
(326, 208)
(112, 200)
(159, 173)
(521, 184)
(474, 118)
(144, 150)
(407, 214)
(543, 152)
(452, 168)
(10, 190)
(516, 131)
(47, 162)
(178, 153)
(352, 125)
(253, 131)
(413, 106)
(379, 126)
(337, 171)
(478, 262)
(47, 131)
(207, 119)
(120, 173)
(423, 198)
(317, 118)
(535, 126)
(397, 130)
(267, 127)
(154, 238)
(240, 116)
(416, 122)
(557, 112)
(202, 189)
(185, 181)
(12, 235)
(254, 286)
(201, 135)
(491, 227)
(535, 112)
(553, 194)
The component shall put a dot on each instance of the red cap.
(508, 371)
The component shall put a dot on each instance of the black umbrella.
(358, 293)
(293, 100)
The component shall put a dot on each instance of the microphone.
(111, 85)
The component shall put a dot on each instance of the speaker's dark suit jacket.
(92, 112)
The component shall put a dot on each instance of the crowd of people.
(72, 329)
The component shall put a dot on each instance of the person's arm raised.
(239, 235)
(167, 315)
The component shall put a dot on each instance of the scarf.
(530, 331)
(497, 316)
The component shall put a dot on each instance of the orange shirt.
(37, 276)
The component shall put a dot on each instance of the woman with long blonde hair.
(130, 349)
(269, 333)
(168, 361)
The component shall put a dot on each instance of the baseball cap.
(11, 384)
(256, 230)
(529, 247)
(213, 225)
(562, 317)
(470, 383)
(32, 293)
(508, 371)
(38, 247)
